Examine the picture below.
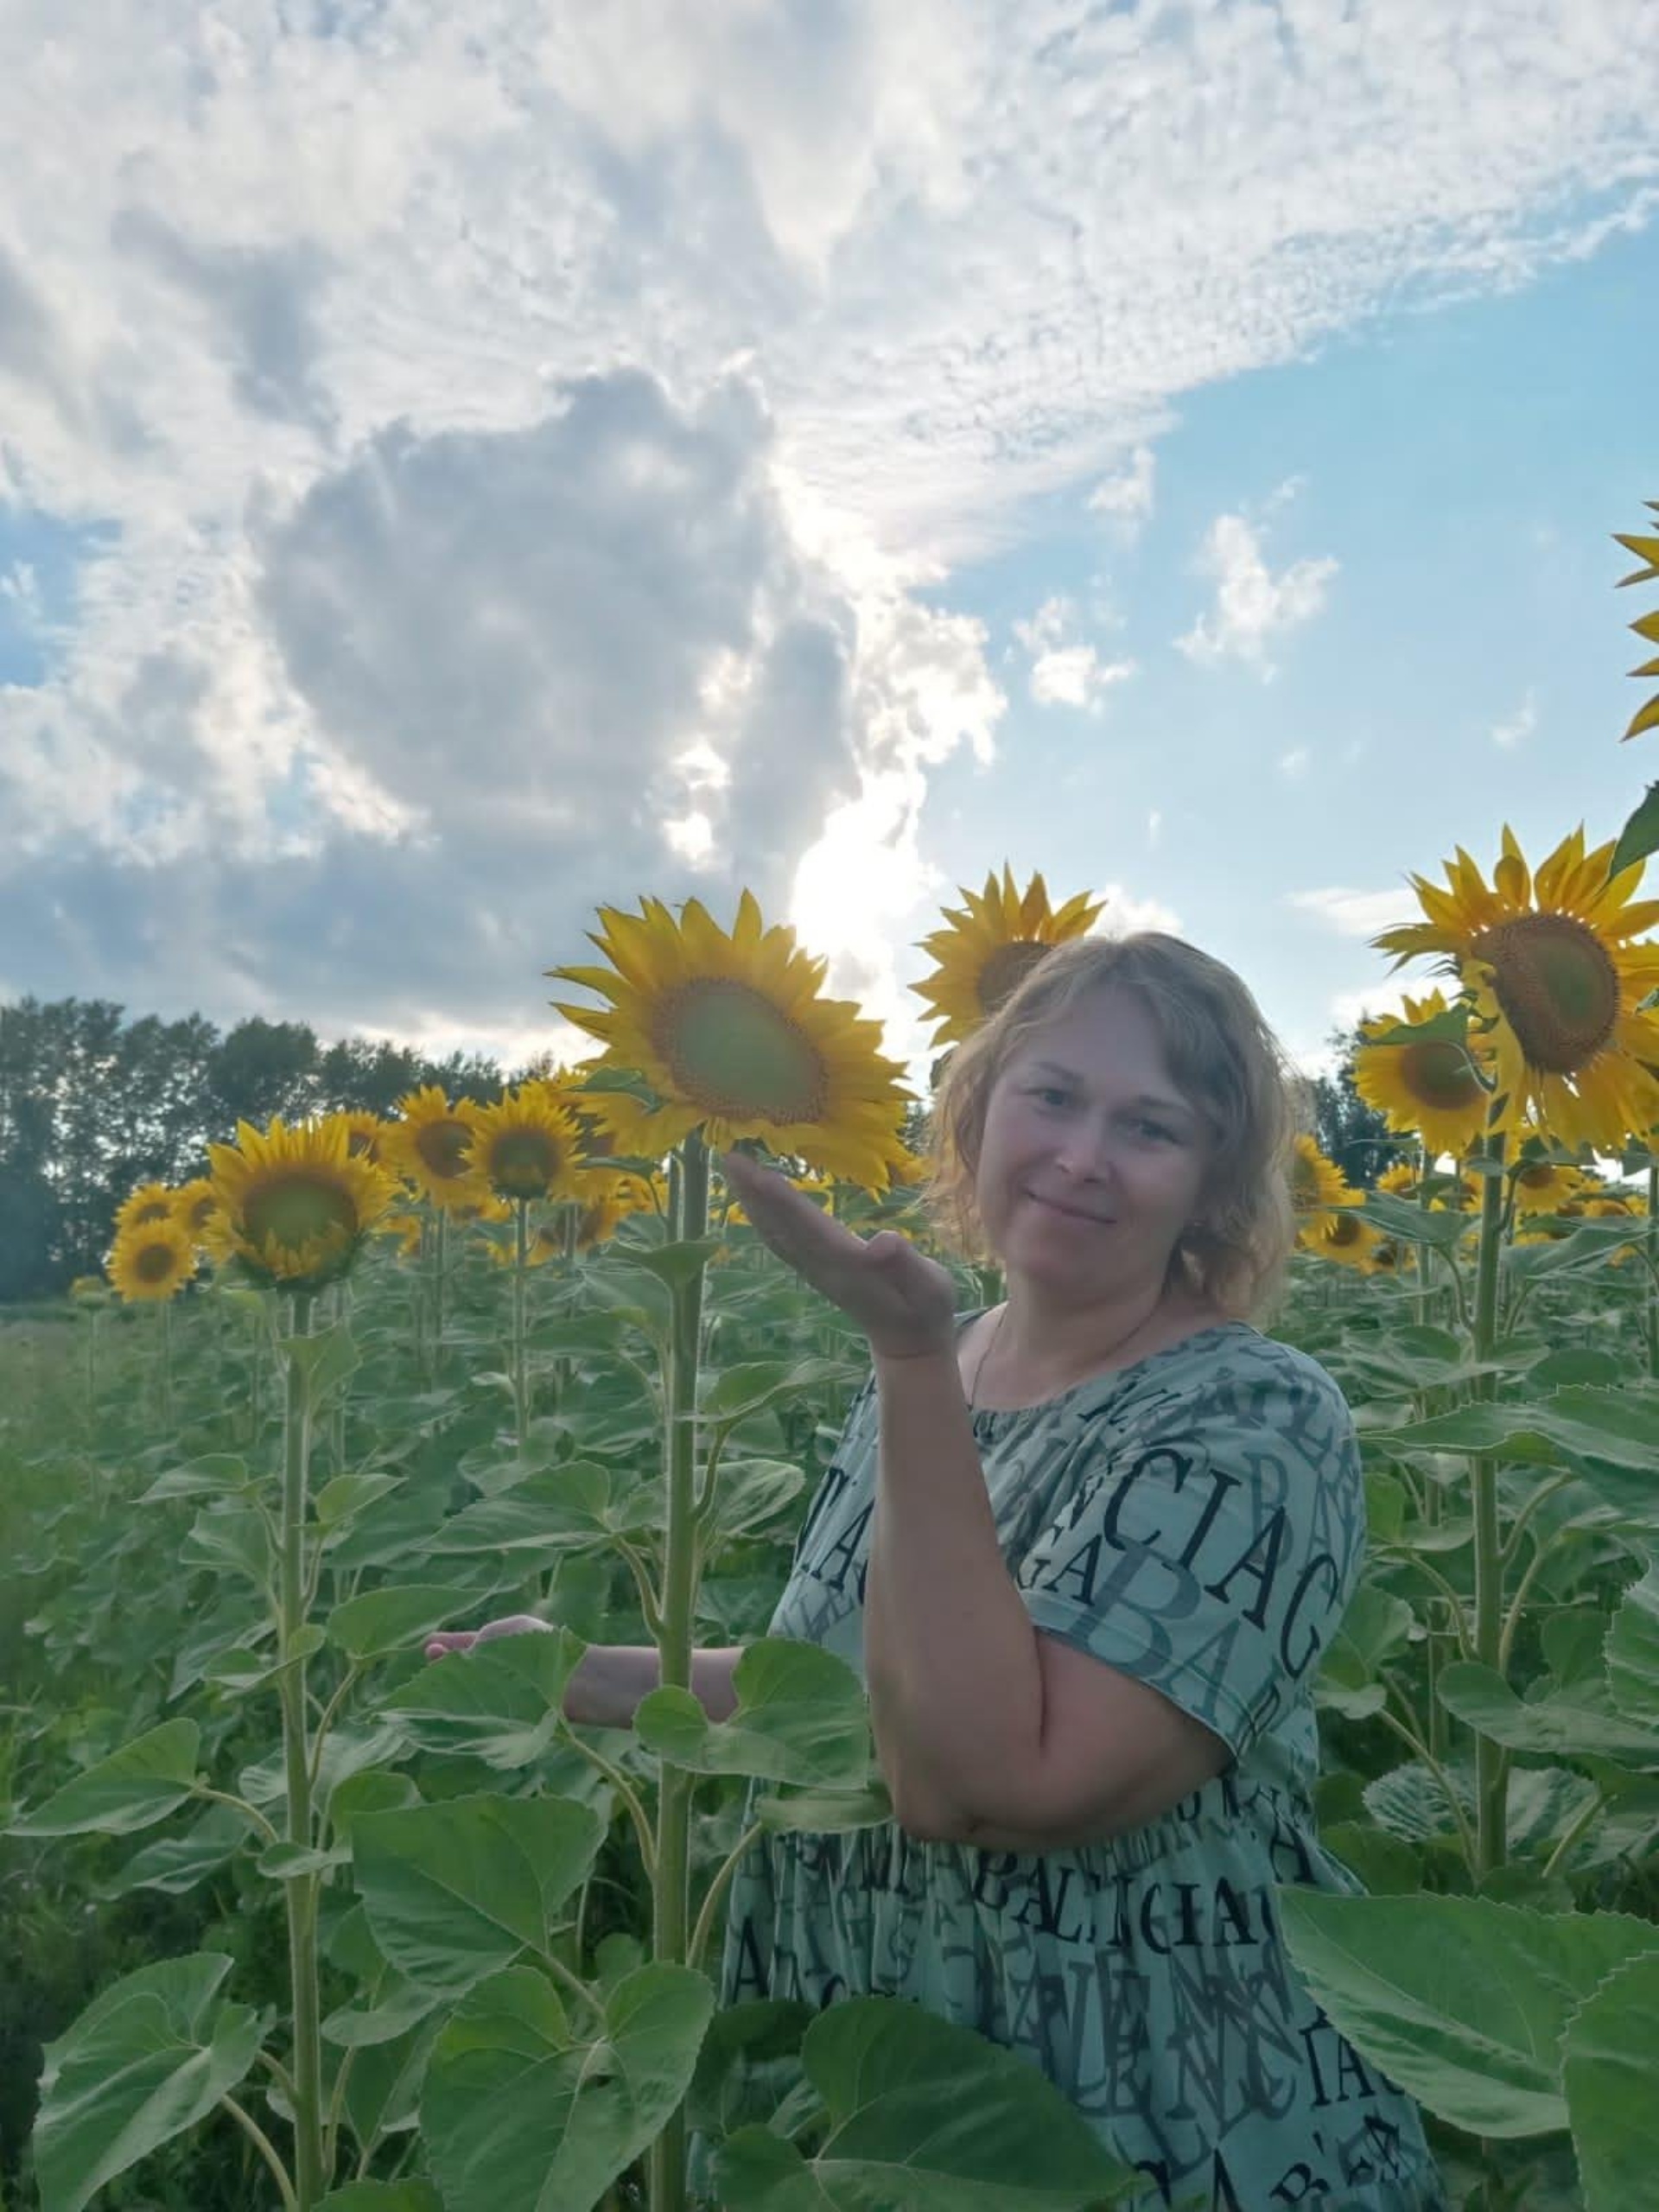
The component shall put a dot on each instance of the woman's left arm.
(988, 1731)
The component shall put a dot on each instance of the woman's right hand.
(442, 1641)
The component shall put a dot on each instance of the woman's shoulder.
(1231, 1373)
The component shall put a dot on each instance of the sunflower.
(194, 1206)
(1345, 1238)
(366, 1134)
(1317, 1186)
(990, 945)
(1646, 626)
(731, 1037)
(1399, 1181)
(528, 1146)
(294, 1204)
(1387, 1257)
(152, 1259)
(428, 1146)
(149, 1202)
(485, 1206)
(1431, 1084)
(406, 1227)
(607, 1203)
(1542, 1184)
(89, 1290)
(1556, 984)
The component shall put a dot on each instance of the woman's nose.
(1085, 1154)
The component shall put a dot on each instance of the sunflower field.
(299, 1917)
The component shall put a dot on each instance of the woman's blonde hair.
(1222, 1058)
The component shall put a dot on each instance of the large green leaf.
(383, 2197)
(1617, 1426)
(396, 1619)
(1374, 1628)
(149, 2056)
(925, 2117)
(1611, 2071)
(177, 1863)
(1632, 1651)
(325, 1360)
(554, 1510)
(502, 1701)
(1580, 1719)
(1395, 1217)
(457, 1890)
(749, 2063)
(749, 1493)
(1460, 2001)
(1640, 836)
(801, 1716)
(745, 1387)
(133, 1789)
(527, 2110)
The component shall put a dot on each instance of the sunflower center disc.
(1346, 1229)
(1439, 1074)
(523, 1162)
(155, 1210)
(155, 1263)
(295, 1209)
(442, 1146)
(1005, 969)
(1557, 985)
(734, 1053)
(1304, 1185)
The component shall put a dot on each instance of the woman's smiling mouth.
(1071, 1213)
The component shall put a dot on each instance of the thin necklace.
(979, 1364)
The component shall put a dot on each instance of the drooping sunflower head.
(1399, 1181)
(1556, 978)
(528, 1146)
(730, 1034)
(151, 1259)
(1351, 1241)
(1318, 1186)
(294, 1204)
(194, 1207)
(428, 1146)
(1542, 1182)
(148, 1202)
(1437, 1084)
(989, 945)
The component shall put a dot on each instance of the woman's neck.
(1043, 1345)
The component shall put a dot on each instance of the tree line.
(92, 1103)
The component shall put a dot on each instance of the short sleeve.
(1209, 1548)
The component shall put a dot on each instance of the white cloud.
(1126, 911)
(1356, 913)
(1066, 672)
(1517, 726)
(1154, 827)
(1293, 765)
(1252, 605)
(1126, 496)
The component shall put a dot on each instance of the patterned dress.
(1198, 1521)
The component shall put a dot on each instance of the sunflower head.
(989, 945)
(1555, 977)
(152, 1259)
(294, 1204)
(729, 1035)
(526, 1147)
(1318, 1186)
(1346, 1238)
(428, 1146)
(406, 1227)
(149, 1202)
(1437, 1084)
(89, 1290)
(366, 1134)
(194, 1207)
(1646, 626)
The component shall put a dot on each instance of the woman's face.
(1091, 1162)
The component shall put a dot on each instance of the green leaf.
(1587, 1246)
(557, 1509)
(133, 1789)
(1610, 2067)
(502, 1701)
(457, 1890)
(231, 1540)
(242, 1671)
(339, 1503)
(149, 2056)
(399, 2005)
(824, 1812)
(523, 2112)
(1633, 1656)
(751, 1385)
(175, 1864)
(801, 1716)
(1640, 836)
(1617, 1426)
(1398, 1218)
(215, 1474)
(1577, 1720)
(383, 2197)
(749, 2063)
(1461, 2001)
(673, 1264)
(1388, 1865)
(325, 1361)
(750, 1492)
(925, 2116)
(396, 1619)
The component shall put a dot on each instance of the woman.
(1086, 1549)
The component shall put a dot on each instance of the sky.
(462, 466)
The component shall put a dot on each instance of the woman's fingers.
(454, 1639)
(444, 1640)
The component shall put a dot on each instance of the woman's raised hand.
(904, 1302)
(462, 1639)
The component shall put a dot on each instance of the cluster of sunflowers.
(1547, 1054)
(1547, 1042)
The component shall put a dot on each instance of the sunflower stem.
(440, 1262)
(1492, 1766)
(1650, 1238)
(670, 1931)
(301, 1892)
(1435, 1644)
(520, 1264)
(166, 1363)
